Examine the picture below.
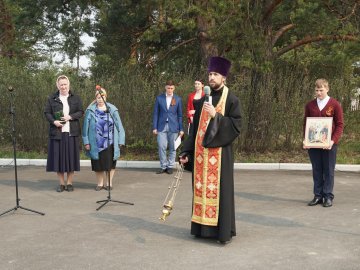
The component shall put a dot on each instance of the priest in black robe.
(208, 153)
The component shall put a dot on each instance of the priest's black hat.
(220, 65)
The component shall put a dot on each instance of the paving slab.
(275, 227)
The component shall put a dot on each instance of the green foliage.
(349, 147)
(29, 95)
(276, 56)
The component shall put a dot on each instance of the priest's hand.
(210, 109)
(183, 159)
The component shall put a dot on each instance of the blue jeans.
(166, 138)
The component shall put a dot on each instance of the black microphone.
(207, 92)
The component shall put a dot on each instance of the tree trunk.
(7, 37)
(259, 112)
(207, 46)
(258, 133)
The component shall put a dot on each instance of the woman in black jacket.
(63, 110)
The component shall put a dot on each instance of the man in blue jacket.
(167, 125)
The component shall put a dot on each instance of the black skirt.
(64, 154)
(105, 162)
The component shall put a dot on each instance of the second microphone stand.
(109, 158)
(13, 135)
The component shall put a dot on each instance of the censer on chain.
(172, 190)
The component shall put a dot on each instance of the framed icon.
(318, 132)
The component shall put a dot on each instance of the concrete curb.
(155, 165)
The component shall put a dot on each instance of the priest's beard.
(214, 85)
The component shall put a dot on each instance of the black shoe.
(107, 188)
(169, 171)
(315, 201)
(70, 188)
(327, 202)
(98, 188)
(60, 188)
(161, 171)
(224, 242)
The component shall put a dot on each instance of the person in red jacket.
(323, 160)
(192, 101)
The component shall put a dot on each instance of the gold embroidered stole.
(207, 172)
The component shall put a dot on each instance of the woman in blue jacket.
(103, 134)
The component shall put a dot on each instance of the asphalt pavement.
(275, 227)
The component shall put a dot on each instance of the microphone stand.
(109, 159)
(12, 112)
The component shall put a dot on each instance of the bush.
(133, 91)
